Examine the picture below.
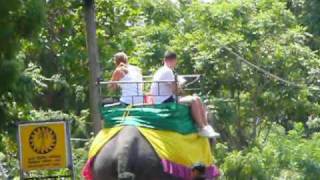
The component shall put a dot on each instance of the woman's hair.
(120, 57)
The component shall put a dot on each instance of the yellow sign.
(43, 145)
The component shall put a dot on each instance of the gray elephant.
(128, 156)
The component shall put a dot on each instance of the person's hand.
(180, 90)
(122, 68)
(181, 81)
(177, 89)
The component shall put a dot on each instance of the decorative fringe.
(168, 167)
(185, 172)
(87, 170)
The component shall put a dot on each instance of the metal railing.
(139, 90)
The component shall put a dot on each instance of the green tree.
(307, 11)
(19, 21)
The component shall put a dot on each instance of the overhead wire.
(269, 74)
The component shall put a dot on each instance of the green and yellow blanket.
(170, 131)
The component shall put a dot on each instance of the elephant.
(127, 156)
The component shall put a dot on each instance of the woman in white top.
(130, 80)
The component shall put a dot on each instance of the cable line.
(290, 83)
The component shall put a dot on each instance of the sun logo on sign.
(42, 140)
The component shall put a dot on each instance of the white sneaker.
(208, 131)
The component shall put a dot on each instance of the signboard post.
(44, 145)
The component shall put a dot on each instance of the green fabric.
(166, 116)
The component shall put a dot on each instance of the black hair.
(170, 55)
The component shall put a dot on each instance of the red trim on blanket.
(87, 170)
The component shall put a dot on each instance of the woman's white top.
(132, 93)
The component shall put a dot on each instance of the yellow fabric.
(181, 149)
(126, 113)
(101, 139)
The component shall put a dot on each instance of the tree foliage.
(269, 127)
(19, 22)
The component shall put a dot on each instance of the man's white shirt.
(162, 90)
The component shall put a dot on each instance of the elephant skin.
(128, 155)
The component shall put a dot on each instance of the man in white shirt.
(130, 80)
(166, 91)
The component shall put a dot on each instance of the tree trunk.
(94, 66)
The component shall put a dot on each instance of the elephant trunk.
(126, 143)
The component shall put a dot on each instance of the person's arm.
(176, 88)
(179, 84)
(169, 76)
(117, 75)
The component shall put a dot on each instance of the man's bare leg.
(197, 112)
(197, 109)
(199, 115)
